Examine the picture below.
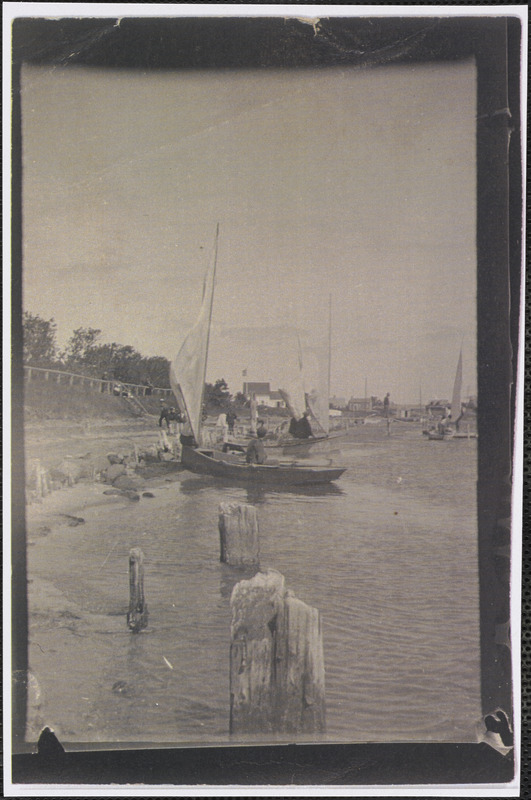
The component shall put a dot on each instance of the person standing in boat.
(301, 428)
(446, 421)
(261, 430)
(256, 453)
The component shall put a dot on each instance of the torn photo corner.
(265, 397)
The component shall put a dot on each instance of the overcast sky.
(350, 182)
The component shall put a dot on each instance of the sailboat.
(448, 427)
(312, 393)
(187, 380)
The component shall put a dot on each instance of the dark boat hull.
(207, 462)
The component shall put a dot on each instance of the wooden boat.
(187, 380)
(212, 462)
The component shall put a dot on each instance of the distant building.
(437, 408)
(264, 395)
(338, 402)
(360, 405)
(410, 412)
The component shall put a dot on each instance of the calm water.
(388, 555)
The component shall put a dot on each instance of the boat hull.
(208, 462)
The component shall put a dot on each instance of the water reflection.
(258, 495)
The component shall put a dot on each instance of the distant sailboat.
(448, 427)
(311, 392)
(456, 394)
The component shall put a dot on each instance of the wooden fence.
(106, 387)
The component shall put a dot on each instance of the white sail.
(188, 369)
(292, 385)
(316, 370)
(456, 395)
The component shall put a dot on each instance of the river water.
(388, 554)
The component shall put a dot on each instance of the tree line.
(86, 354)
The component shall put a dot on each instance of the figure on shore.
(231, 419)
(301, 428)
(256, 453)
(386, 405)
(164, 417)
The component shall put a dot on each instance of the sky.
(354, 187)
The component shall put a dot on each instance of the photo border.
(495, 41)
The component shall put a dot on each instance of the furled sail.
(188, 369)
(456, 395)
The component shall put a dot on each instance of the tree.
(156, 371)
(39, 340)
(80, 343)
(240, 400)
(217, 396)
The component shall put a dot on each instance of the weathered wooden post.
(137, 616)
(41, 479)
(238, 535)
(276, 660)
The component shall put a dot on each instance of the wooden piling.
(40, 479)
(137, 616)
(238, 535)
(276, 660)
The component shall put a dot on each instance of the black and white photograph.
(264, 292)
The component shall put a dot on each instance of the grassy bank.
(46, 400)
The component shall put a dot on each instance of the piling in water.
(276, 660)
(137, 616)
(238, 535)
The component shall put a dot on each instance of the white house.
(263, 394)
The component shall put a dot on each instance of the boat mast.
(209, 320)
(329, 347)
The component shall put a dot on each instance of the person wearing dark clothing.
(301, 428)
(386, 405)
(165, 415)
(261, 431)
(256, 453)
(231, 419)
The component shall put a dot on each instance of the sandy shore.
(51, 522)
